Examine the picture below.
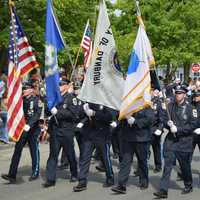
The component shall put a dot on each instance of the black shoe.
(143, 186)
(80, 187)
(119, 189)
(63, 166)
(115, 156)
(179, 177)
(33, 177)
(187, 190)
(100, 168)
(108, 183)
(136, 173)
(73, 179)
(162, 194)
(48, 184)
(157, 170)
(8, 178)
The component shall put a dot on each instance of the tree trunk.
(186, 71)
(3, 58)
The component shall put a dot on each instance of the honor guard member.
(32, 107)
(196, 114)
(96, 133)
(157, 131)
(61, 131)
(136, 135)
(178, 142)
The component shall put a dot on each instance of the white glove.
(86, 106)
(173, 129)
(26, 128)
(54, 111)
(80, 125)
(1, 122)
(158, 132)
(197, 131)
(90, 112)
(131, 120)
(113, 124)
(170, 123)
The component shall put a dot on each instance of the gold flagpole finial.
(11, 3)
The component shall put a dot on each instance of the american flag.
(86, 44)
(21, 61)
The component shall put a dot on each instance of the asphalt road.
(25, 190)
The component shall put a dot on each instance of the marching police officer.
(95, 133)
(61, 131)
(135, 138)
(157, 131)
(32, 107)
(196, 114)
(178, 142)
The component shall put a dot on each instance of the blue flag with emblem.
(54, 43)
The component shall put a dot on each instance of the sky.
(113, 1)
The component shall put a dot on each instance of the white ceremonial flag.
(103, 82)
(138, 82)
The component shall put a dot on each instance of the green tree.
(172, 26)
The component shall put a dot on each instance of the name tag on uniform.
(40, 103)
(64, 105)
(164, 106)
(74, 101)
(154, 106)
(31, 105)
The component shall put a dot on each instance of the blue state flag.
(54, 43)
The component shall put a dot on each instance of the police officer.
(32, 107)
(157, 131)
(135, 138)
(96, 133)
(196, 114)
(178, 142)
(61, 131)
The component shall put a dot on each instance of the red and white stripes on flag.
(21, 61)
(86, 45)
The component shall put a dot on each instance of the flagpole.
(95, 15)
(11, 3)
(137, 3)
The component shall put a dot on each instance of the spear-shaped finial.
(137, 3)
(11, 3)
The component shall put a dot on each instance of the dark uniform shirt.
(65, 120)
(140, 130)
(97, 128)
(182, 117)
(32, 110)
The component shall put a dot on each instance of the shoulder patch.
(194, 113)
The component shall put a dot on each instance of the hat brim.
(180, 92)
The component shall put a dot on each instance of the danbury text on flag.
(103, 82)
(54, 43)
(86, 45)
(138, 83)
(21, 61)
